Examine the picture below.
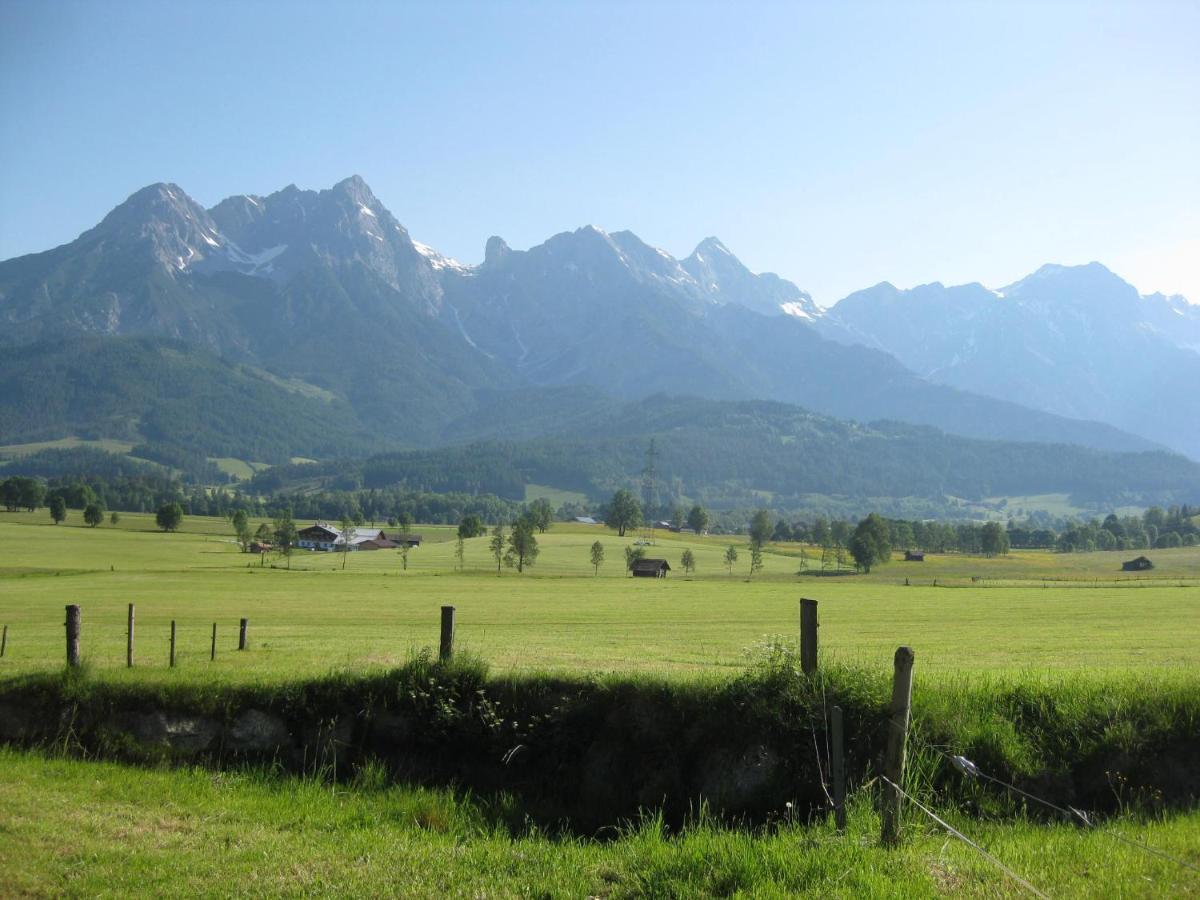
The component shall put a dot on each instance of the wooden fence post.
(3, 641)
(129, 640)
(74, 622)
(893, 762)
(242, 634)
(838, 764)
(446, 651)
(808, 636)
(213, 655)
(172, 643)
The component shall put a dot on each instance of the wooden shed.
(650, 568)
(914, 556)
(1140, 564)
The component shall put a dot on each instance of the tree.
(169, 516)
(471, 527)
(760, 533)
(688, 561)
(994, 540)
(241, 528)
(632, 555)
(93, 514)
(114, 517)
(756, 559)
(782, 532)
(460, 551)
(285, 535)
(541, 513)
(405, 548)
(731, 556)
(522, 545)
(870, 544)
(496, 544)
(678, 518)
(624, 512)
(697, 519)
(597, 557)
(58, 508)
(347, 534)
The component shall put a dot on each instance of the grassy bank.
(593, 750)
(80, 829)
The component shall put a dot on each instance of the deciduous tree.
(597, 557)
(624, 512)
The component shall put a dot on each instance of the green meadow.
(74, 829)
(70, 827)
(1029, 613)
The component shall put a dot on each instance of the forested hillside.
(734, 453)
(167, 394)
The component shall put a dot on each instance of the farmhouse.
(324, 536)
(1137, 565)
(914, 556)
(650, 568)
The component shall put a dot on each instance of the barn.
(1140, 564)
(914, 556)
(650, 568)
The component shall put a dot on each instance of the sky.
(838, 144)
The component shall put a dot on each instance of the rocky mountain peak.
(495, 250)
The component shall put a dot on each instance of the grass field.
(1029, 613)
(74, 828)
(79, 829)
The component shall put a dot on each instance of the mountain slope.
(167, 392)
(1073, 341)
(329, 288)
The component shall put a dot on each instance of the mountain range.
(318, 307)
(1076, 341)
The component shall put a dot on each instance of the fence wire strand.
(966, 840)
(971, 770)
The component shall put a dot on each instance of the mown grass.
(317, 616)
(96, 829)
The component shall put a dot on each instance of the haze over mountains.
(323, 309)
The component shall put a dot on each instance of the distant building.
(324, 536)
(1137, 565)
(650, 568)
(914, 556)
(587, 520)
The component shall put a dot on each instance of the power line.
(966, 840)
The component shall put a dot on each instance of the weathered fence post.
(129, 639)
(893, 761)
(242, 634)
(172, 643)
(838, 764)
(808, 636)
(3, 641)
(213, 655)
(447, 646)
(74, 621)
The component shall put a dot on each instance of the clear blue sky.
(838, 144)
